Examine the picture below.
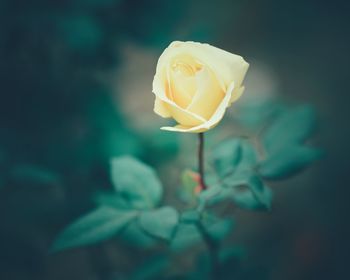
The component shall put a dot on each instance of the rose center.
(182, 79)
(185, 68)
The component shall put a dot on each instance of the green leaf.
(118, 200)
(224, 194)
(288, 162)
(247, 191)
(160, 222)
(186, 235)
(258, 190)
(217, 228)
(226, 156)
(206, 196)
(255, 112)
(101, 224)
(136, 182)
(190, 216)
(292, 127)
(247, 163)
(234, 157)
(247, 199)
(248, 156)
(111, 200)
(134, 235)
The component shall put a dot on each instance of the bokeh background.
(75, 83)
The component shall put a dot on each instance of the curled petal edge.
(213, 121)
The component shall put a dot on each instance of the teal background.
(67, 107)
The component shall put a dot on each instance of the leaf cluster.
(241, 170)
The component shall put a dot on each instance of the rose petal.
(182, 88)
(236, 94)
(209, 95)
(182, 115)
(179, 114)
(160, 108)
(213, 121)
(159, 86)
(227, 67)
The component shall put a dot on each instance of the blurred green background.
(76, 80)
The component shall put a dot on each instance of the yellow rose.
(195, 83)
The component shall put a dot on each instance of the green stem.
(212, 245)
(201, 161)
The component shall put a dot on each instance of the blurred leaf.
(190, 216)
(248, 200)
(101, 224)
(186, 235)
(247, 190)
(151, 268)
(234, 157)
(118, 200)
(245, 167)
(217, 228)
(224, 194)
(288, 162)
(258, 190)
(207, 195)
(257, 111)
(160, 222)
(292, 127)
(134, 235)
(226, 156)
(248, 156)
(136, 182)
(111, 200)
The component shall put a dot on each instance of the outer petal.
(236, 94)
(228, 67)
(160, 108)
(179, 114)
(183, 116)
(214, 120)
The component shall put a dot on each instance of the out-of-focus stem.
(212, 245)
(201, 161)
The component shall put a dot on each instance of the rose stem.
(212, 245)
(201, 161)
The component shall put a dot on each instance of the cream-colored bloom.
(195, 83)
